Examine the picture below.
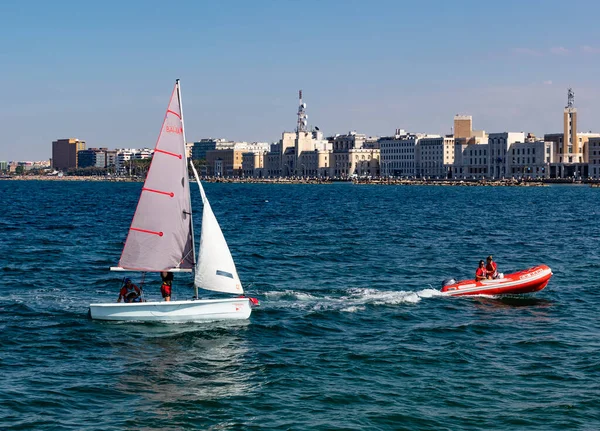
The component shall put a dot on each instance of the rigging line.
(184, 257)
(141, 286)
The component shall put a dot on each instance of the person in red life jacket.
(481, 273)
(491, 268)
(129, 292)
(167, 282)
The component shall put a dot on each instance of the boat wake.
(349, 301)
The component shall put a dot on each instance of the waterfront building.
(364, 161)
(95, 157)
(594, 158)
(3, 166)
(399, 153)
(570, 147)
(349, 156)
(228, 162)
(273, 160)
(300, 153)
(471, 160)
(200, 148)
(470, 150)
(64, 153)
(304, 159)
(564, 165)
(530, 159)
(253, 164)
(499, 161)
(224, 163)
(124, 156)
(435, 156)
(26, 165)
(463, 126)
(314, 159)
(287, 149)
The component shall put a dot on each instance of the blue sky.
(103, 71)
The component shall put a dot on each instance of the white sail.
(161, 236)
(215, 269)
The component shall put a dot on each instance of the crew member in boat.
(129, 292)
(491, 268)
(167, 282)
(481, 273)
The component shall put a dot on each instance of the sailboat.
(161, 239)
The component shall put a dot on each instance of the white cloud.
(548, 82)
(590, 49)
(559, 50)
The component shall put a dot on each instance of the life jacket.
(167, 280)
(131, 291)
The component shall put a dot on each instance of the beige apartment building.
(253, 164)
(224, 163)
(229, 162)
(571, 163)
(463, 126)
(571, 152)
(435, 156)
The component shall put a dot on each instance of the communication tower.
(302, 117)
(570, 98)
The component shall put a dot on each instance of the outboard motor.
(448, 282)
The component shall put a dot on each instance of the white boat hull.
(174, 311)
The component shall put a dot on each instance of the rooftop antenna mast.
(302, 117)
(570, 98)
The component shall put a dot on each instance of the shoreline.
(374, 181)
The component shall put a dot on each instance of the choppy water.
(351, 333)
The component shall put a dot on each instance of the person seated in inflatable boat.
(481, 273)
(491, 268)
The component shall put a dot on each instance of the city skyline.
(100, 72)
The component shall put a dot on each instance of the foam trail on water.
(352, 300)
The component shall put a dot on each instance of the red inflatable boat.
(526, 281)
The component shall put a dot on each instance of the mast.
(178, 86)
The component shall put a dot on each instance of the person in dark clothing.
(167, 282)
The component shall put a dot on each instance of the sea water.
(351, 333)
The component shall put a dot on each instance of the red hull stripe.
(174, 113)
(147, 231)
(167, 152)
(158, 191)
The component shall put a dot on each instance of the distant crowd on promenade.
(324, 180)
